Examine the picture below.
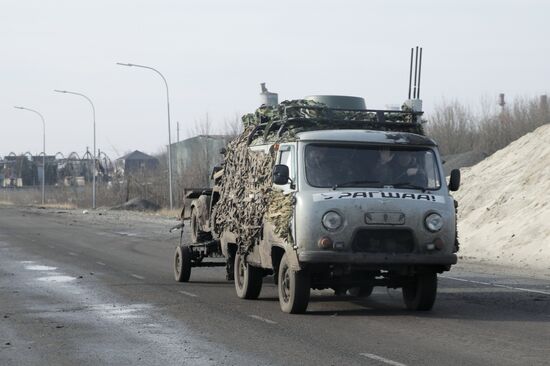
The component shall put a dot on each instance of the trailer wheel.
(339, 290)
(361, 291)
(420, 293)
(293, 287)
(182, 263)
(248, 279)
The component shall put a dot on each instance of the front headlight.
(434, 222)
(332, 220)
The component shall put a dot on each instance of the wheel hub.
(241, 271)
(178, 263)
(285, 285)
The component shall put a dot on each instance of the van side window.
(430, 168)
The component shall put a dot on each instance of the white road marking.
(51, 246)
(37, 267)
(188, 293)
(262, 319)
(137, 276)
(123, 233)
(498, 285)
(73, 254)
(382, 359)
(101, 263)
(57, 279)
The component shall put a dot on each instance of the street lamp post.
(169, 137)
(94, 157)
(43, 150)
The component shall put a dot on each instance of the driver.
(409, 170)
(319, 171)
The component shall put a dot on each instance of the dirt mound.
(504, 211)
(137, 204)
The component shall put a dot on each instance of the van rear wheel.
(248, 279)
(293, 287)
(420, 292)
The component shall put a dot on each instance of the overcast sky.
(214, 55)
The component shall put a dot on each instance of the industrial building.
(194, 159)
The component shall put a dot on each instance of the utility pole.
(501, 101)
(94, 157)
(169, 137)
(43, 149)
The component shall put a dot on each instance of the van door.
(287, 156)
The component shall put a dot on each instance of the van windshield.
(371, 166)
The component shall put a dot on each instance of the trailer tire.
(419, 294)
(293, 288)
(248, 279)
(182, 263)
(361, 291)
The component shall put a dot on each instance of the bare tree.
(457, 129)
(233, 126)
(452, 126)
(201, 127)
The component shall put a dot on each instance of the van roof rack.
(272, 124)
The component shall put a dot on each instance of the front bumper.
(375, 258)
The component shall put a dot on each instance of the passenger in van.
(383, 169)
(319, 169)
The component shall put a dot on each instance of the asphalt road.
(98, 289)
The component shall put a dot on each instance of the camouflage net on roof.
(292, 117)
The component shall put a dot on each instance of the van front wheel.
(420, 292)
(293, 288)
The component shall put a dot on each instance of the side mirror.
(280, 174)
(454, 182)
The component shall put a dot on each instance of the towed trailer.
(190, 254)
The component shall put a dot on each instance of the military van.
(323, 193)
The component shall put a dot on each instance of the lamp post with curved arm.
(43, 149)
(94, 158)
(169, 137)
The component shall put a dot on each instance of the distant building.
(26, 170)
(136, 162)
(194, 159)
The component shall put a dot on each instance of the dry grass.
(165, 212)
(61, 206)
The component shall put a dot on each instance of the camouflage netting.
(279, 213)
(292, 117)
(246, 193)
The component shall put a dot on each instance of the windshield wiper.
(354, 182)
(408, 185)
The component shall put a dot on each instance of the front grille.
(383, 241)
